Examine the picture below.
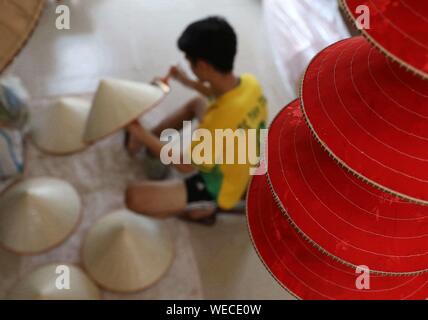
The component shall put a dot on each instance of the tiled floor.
(136, 39)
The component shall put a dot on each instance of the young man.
(225, 102)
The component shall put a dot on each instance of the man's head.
(210, 45)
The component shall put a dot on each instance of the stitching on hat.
(344, 6)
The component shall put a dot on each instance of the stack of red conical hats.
(342, 212)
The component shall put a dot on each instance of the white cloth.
(298, 29)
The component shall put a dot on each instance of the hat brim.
(18, 22)
(338, 213)
(371, 116)
(306, 272)
(397, 28)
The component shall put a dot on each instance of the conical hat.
(116, 104)
(17, 20)
(125, 252)
(38, 214)
(305, 271)
(371, 115)
(41, 284)
(59, 130)
(397, 28)
(347, 219)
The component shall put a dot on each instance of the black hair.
(213, 40)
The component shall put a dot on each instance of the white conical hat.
(55, 282)
(38, 214)
(126, 252)
(59, 129)
(118, 103)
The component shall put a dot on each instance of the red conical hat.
(305, 271)
(341, 215)
(371, 116)
(398, 28)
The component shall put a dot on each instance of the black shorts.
(197, 190)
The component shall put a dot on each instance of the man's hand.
(153, 144)
(133, 145)
(178, 74)
(134, 128)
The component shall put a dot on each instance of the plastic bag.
(13, 107)
(11, 153)
(13, 120)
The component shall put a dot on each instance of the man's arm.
(200, 87)
(152, 142)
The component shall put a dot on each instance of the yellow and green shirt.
(245, 108)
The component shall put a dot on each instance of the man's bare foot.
(198, 214)
(204, 214)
